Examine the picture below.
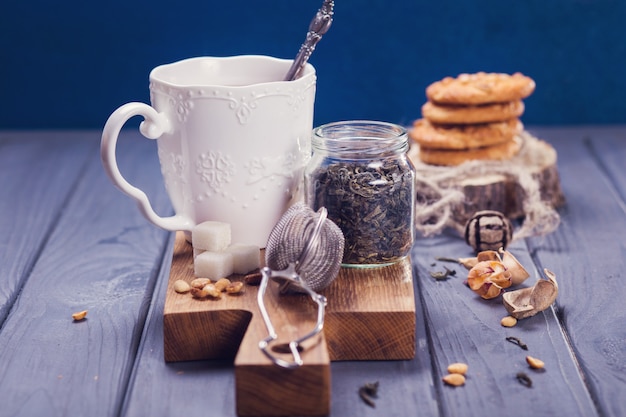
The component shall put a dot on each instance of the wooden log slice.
(491, 185)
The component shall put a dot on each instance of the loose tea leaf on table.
(440, 276)
(517, 341)
(372, 203)
(524, 379)
(369, 391)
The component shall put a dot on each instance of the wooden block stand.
(370, 316)
(495, 186)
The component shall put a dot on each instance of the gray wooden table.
(70, 241)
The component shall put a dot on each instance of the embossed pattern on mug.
(181, 107)
(242, 106)
(263, 168)
(215, 169)
(173, 167)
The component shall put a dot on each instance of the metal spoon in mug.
(318, 27)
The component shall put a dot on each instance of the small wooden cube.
(246, 258)
(211, 236)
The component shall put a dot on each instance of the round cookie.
(434, 136)
(483, 113)
(480, 88)
(499, 152)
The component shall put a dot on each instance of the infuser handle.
(153, 126)
(292, 276)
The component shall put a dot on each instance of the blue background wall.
(68, 64)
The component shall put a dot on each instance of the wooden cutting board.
(370, 316)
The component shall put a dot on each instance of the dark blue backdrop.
(68, 64)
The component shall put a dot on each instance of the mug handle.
(153, 126)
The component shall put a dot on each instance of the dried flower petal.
(488, 255)
(527, 302)
(519, 274)
(488, 278)
(469, 263)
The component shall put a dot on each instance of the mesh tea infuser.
(303, 254)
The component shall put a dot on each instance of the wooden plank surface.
(36, 179)
(588, 252)
(463, 327)
(100, 255)
(91, 249)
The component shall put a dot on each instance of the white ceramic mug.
(232, 137)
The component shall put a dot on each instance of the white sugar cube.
(213, 265)
(211, 236)
(246, 258)
(197, 252)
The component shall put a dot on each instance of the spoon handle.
(318, 27)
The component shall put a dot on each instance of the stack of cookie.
(472, 116)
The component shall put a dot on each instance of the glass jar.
(360, 172)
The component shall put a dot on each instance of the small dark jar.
(360, 172)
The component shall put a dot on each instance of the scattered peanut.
(199, 293)
(457, 368)
(200, 282)
(455, 380)
(534, 362)
(508, 321)
(181, 286)
(222, 283)
(212, 290)
(253, 278)
(235, 287)
(203, 288)
(80, 315)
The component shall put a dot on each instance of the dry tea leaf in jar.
(360, 173)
